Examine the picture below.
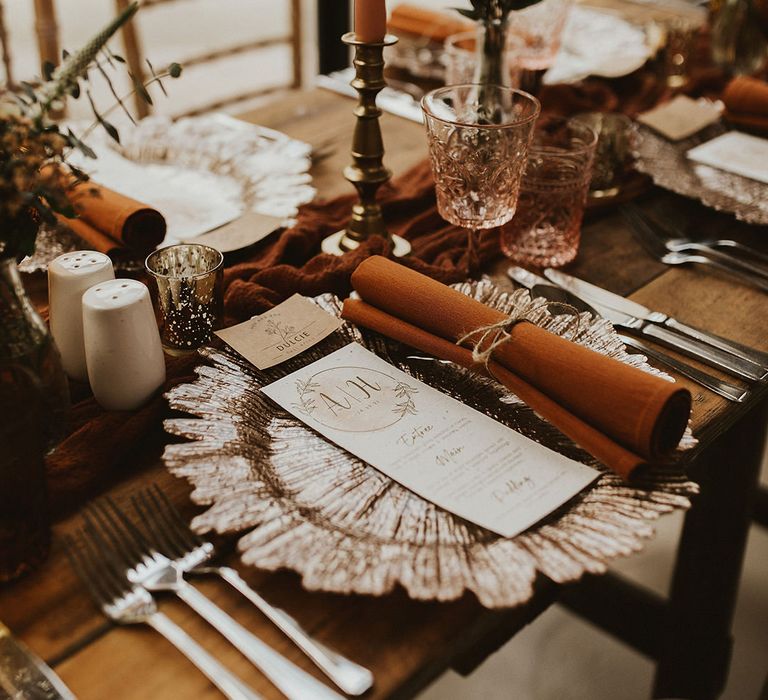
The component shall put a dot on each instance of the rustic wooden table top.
(405, 643)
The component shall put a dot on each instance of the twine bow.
(492, 336)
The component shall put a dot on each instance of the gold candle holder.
(367, 172)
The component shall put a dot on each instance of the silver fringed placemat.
(204, 171)
(669, 167)
(308, 505)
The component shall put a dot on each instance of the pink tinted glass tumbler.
(478, 145)
(546, 229)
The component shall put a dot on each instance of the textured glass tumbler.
(536, 32)
(460, 59)
(547, 227)
(478, 144)
(189, 288)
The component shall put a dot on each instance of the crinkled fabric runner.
(293, 262)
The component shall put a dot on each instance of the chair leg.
(134, 57)
(694, 654)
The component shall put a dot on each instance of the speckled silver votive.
(189, 283)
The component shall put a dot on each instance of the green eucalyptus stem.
(117, 104)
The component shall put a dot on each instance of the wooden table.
(408, 644)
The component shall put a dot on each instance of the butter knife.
(24, 675)
(719, 352)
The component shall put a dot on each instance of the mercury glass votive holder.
(188, 293)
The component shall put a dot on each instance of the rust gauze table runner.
(627, 416)
(292, 263)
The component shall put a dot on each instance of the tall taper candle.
(370, 20)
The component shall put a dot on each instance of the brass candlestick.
(367, 173)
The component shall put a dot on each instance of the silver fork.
(711, 246)
(681, 245)
(148, 568)
(747, 278)
(655, 246)
(740, 247)
(170, 534)
(127, 604)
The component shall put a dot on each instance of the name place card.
(446, 452)
(244, 231)
(281, 333)
(681, 117)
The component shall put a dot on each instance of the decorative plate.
(200, 172)
(309, 506)
(666, 162)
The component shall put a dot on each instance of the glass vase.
(34, 398)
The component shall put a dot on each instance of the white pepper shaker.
(69, 276)
(125, 359)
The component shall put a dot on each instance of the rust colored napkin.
(432, 24)
(111, 222)
(746, 103)
(642, 413)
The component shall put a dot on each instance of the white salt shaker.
(125, 359)
(69, 275)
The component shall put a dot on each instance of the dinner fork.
(170, 534)
(655, 247)
(129, 604)
(149, 569)
(710, 246)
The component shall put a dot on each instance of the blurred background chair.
(233, 51)
(289, 37)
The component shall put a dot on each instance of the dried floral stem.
(124, 97)
(65, 77)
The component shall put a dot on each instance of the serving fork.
(147, 568)
(128, 604)
(169, 533)
(679, 255)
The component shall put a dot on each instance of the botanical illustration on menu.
(443, 450)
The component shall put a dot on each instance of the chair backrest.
(136, 62)
(5, 48)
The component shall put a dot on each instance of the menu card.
(448, 453)
(737, 153)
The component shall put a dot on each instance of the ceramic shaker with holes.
(125, 360)
(69, 276)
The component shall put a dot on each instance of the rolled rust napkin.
(746, 102)
(109, 221)
(623, 416)
(432, 24)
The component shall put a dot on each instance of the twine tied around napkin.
(500, 332)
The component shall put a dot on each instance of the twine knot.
(493, 335)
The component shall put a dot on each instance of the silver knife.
(538, 285)
(707, 347)
(24, 675)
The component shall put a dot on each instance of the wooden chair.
(135, 57)
(6, 49)
(46, 28)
